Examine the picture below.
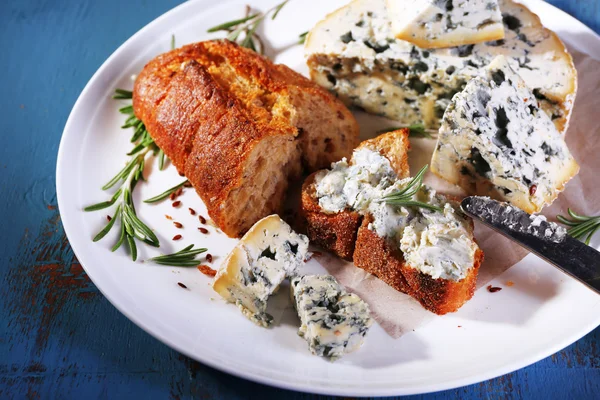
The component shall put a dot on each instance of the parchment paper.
(398, 313)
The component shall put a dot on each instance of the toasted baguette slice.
(351, 236)
(336, 232)
(378, 257)
(239, 127)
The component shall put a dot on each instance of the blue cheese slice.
(354, 53)
(495, 141)
(267, 254)
(334, 322)
(445, 23)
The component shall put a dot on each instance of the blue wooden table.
(59, 337)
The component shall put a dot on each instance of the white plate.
(544, 312)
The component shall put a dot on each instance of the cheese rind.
(334, 322)
(445, 23)
(267, 254)
(354, 54)
(495, 141)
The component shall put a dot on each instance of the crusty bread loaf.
(239, 127)
(347, 234)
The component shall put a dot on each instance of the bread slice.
(351, 235)
(239, 127)
(353, 53)
(336, 232)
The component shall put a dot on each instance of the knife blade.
(545, 239)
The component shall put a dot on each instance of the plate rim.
(304, 386)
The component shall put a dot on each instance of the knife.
(545, 239)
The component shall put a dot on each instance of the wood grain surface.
(59, 337)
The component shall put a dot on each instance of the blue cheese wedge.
(354, 53)
(267, 254)
(445, 23)
(334, 322)
(495, 141)
(440, 244)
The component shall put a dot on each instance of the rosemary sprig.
(302, 37)
(166, 193)
(183, 258)
(131, 226)
(404, 197)
(243, 30)
(580, 225)
(414, 130)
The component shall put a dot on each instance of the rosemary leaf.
(414, 130)
(121, 237)
(182, 258)
(278, 8)
(582, 227)
(226, 25)
(132, 248)
(161, 159)
(108, 226)
(122, 94)
(404, 197)
(126, 110)
(172, 42)
(302, 37)
(166, 193)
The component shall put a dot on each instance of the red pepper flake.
(108, 218)
(176, 203)
(172, 196)
(168, 217)
(177, 224)
(187, 184)
(493, 289)
(177, 237)
(181, 174)
(206, 270)
(532, 190)
(182, 285)
(192, 211)
(178, 192)
(203, 230)
(209, 257)
(202, 219)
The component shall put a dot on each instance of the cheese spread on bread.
(354, 53)
(495, 141)
(267, 254)
(445, 23)
(334, 322)
(438, 244)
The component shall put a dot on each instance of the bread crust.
(333, 232)
(218, 110)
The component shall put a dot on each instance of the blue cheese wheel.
(334, 322)
(495, 141)
(267, 254)
(445, 23)
(353, 53)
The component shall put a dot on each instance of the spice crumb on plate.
(177, 237)
(510, 283)
(206, 270)
(182, 285)
(493, 289)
